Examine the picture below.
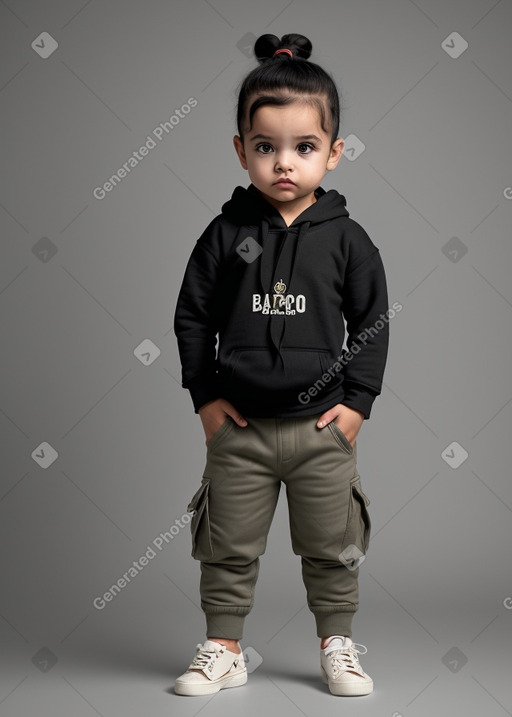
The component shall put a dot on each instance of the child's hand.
(214, 413)
(349, 420)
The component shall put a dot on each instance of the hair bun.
(266, 45)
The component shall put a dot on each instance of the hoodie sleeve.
(365, 306)
(194, 321)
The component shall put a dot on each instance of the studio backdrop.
(116, 129)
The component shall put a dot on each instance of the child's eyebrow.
(301, 137)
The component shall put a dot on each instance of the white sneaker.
(213, 668)
(341, 669)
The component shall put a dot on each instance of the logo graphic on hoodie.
(279, 302)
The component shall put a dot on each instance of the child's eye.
(305, 148)
(264, 148)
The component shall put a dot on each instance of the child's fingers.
(328, 416)
(237, 417)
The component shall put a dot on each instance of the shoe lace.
(346, 658)
(204, 657)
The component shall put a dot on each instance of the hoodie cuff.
(202, 390)
(358, 397)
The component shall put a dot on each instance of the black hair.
(300, 79)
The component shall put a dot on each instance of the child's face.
(287, 142)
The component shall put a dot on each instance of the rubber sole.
(195, 689)
(354, 689)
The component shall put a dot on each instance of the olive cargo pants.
(235, 503)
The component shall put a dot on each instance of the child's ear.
(239, 148)
(335, 153)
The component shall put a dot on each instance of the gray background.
(84, 281)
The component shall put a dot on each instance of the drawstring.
(265, 259)
(282, 272)
(302, 230)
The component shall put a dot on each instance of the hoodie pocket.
(255, 372)
(357, 534)
(202, 548)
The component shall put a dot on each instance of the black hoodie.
(276, 296)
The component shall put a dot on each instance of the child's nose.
(284, 161)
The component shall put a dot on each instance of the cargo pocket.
(357, 534)
(200, 523)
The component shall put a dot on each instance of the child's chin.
(282, 195)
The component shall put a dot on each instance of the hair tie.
(284, 49)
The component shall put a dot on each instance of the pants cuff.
(334, 623)
(228, 625)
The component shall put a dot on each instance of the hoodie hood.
(249, 207)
